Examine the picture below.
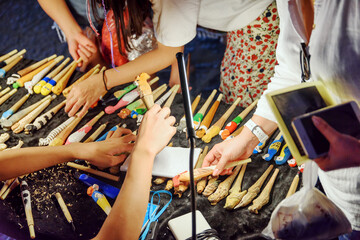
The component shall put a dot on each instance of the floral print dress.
(250, 58)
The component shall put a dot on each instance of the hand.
(234, 149)
(81, 46)
(84, 94)
(344, 149)
(156, 130)
(110, 152)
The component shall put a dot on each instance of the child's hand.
(110, 152)
(155, 131)
(344, 150)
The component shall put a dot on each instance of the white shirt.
(335, 58)
(175, 21)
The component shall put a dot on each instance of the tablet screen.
(295, 103)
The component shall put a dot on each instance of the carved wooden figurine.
(223, 189)
(253, 191)
(145, 89)
(205, 124)
(235, 191)
(200, 114)
(96, 133)
(51, 136)
(212, 185)
(215, 129)
(264, 196)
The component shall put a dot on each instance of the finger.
(127, 148)
(220, 166)
(209, 158)
(171, 120)
(83, 56)
(70, 101)
(122, 131)
(128, 138)
(155, 109)
(164, 112)
(73, 53)
(115, 160)
(75, 108)
(85, 51)
(109, 135)
(84, 110)
(329, 133)
(86, 42)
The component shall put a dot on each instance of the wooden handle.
(96, 133)
(63, 207)
(12, 64)
(7, 96)
(170, 100)
(58, 68)
(34, 66)
(60, 86)
(19, 103)
(207, 102)
(93, 171)
(262, 179)
(210, 115)
(293, 186)
(237, 185)
(9, 54)
(3, 92)
(220, 123)
(12, 58)
(20, 82)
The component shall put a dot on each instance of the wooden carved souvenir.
(46, 89)
(8, 67)
(97, 133)
(9, 54)
(169, 185)
(284, 155)
(264, 196)
(41, 121)
(7, 96)
(15, 107)
(3, 146)
(234, 134)
(235, 191)
(205, 124)
(3, 92)
(159, 180)
(145, 89)
(61, 84)
(274, 147)
(223, 189)
(293, 186)
(200, 114)
(51, 136)
(20, 125)
(231, 126)
(170, 100)
(215, 129)
(38, 86)
(253, 191)
(212, 185)
(93, 171)
(4, 137)
(182, 123)
(12, 58)
(179, 190)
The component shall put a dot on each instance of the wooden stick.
(46, 89)
(89, 73)
(7, 96)
(26, 198)
(97, 133)
(161, 100)
(201, 157)
(20, 125)
(64, 209)
(15, 107)
(206, 171)
(93, 171)
(7, 123)
(12, 58)
(293, 186)
(40, 121)
(9, 54)
(60, 139)
(34, 66)
(223, 189)
(200, 185)
(8, 67)
(264, 196)
(235, 191)
(21, 81)
(61, 84)
(3, 92)
(30, 84)
(13, 185)
(51, 136)
(145, 89)
(254, 189)
(48, 78)
(231, 126)
(208, 118)
(6, 185)
(80, 134)
(200, 114)
(120, 93)
(215, 129)
(170, 100)
(182, 123)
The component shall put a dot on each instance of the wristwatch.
(256, 130)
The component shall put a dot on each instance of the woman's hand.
(110, 152)
(344, 149)
(84, 94)
(156, 130)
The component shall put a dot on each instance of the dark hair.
(138, 11)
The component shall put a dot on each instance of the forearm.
(150, 63)
(60, 13)
(127, 215)
(21, 161)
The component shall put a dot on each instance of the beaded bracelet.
(105, 80)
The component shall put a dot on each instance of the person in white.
(334, 46)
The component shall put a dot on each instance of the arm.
(87, 92)
(78, 43)
(102, 154)
(128, 213)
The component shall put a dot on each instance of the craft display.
(29, 85)
(15, 107)
(264, 196)
(231, 126)
(200, 114)
(182, 123)
(253, 191)
(223, 189)
(8, 60)
(47, 87)
(215, 129)
(235, 191)
(20, 125)
(26, 199)
(274, 147)
(205, 124)
(9, 66)
(41, 121)
(37, 87)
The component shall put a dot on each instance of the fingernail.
(316, 120)
(216, 172)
